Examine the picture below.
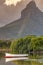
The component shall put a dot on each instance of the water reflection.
(34, 59)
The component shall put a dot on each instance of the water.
(2, 62)
(32, 61)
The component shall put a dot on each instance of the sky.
(10, 10)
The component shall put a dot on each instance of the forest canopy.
(26, 44)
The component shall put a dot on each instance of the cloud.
(11, 12)
(11, 2)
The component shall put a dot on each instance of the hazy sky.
(10, 10)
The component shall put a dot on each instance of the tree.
(26, 44)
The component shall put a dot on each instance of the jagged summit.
(30, 23)
(31, 4)
(31, 9)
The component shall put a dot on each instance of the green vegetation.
(4, 47)
(5, 44)
(26, 44)
(27, 63)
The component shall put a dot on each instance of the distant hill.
(30, 23)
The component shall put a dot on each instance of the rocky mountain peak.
(30, 23)
(32, 4)
(31, 9)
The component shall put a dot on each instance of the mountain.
(30, 23)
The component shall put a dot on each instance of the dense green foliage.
(23, 46)
(26, 44)
(5, 44)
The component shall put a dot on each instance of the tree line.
(5, 44)
(26, 44)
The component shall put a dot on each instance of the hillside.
(30, 23)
